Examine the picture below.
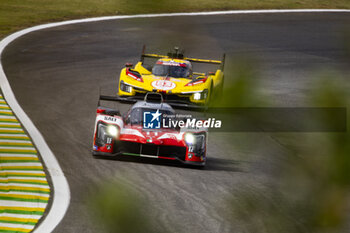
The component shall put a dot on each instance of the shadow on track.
(218, 164)
(213, 164)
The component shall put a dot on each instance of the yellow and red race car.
(173, 77)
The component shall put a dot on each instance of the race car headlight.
(189, 138)
(196, 143)
(112, 130)
(128, 88)
(197, 96)
(200, 95)
(125, 87)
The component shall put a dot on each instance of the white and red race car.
(143, 132)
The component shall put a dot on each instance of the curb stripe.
(18, 156)
(24, 216)
(17, 145)
(12, 123)
(26, 184)
(21, 175)
(30, 199)
(24, 168)
(25, 189)
(9, 125)
(21, 171)
(8, 131)
(14, 137)
(8, 120)
(43, 186)
(15, 148)
(13, 230)
(15, 141)
(18, 151)
(11, 181)
(25, 178)
(24, 165)
(25, 193)
(19, 181)
(5, 113)
(21, 210)
(29, 179)
(24, 173)
(30, 213)
(8, 158)
(20, 129)
(18, 220)
(10, 203)
(19, 160)
(20, 226)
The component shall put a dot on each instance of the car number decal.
(163, 85)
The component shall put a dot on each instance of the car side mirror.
(126, 118)
(128, 65)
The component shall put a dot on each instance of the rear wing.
(151, 98)
(179, 55)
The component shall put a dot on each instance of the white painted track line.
(61, 195)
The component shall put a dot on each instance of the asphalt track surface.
(56, 74)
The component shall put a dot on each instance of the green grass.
(18, 14)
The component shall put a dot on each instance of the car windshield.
(137, 115)
(170, 70)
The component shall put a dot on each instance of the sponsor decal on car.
(163, 85)
(110, 118)
(171, 63)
